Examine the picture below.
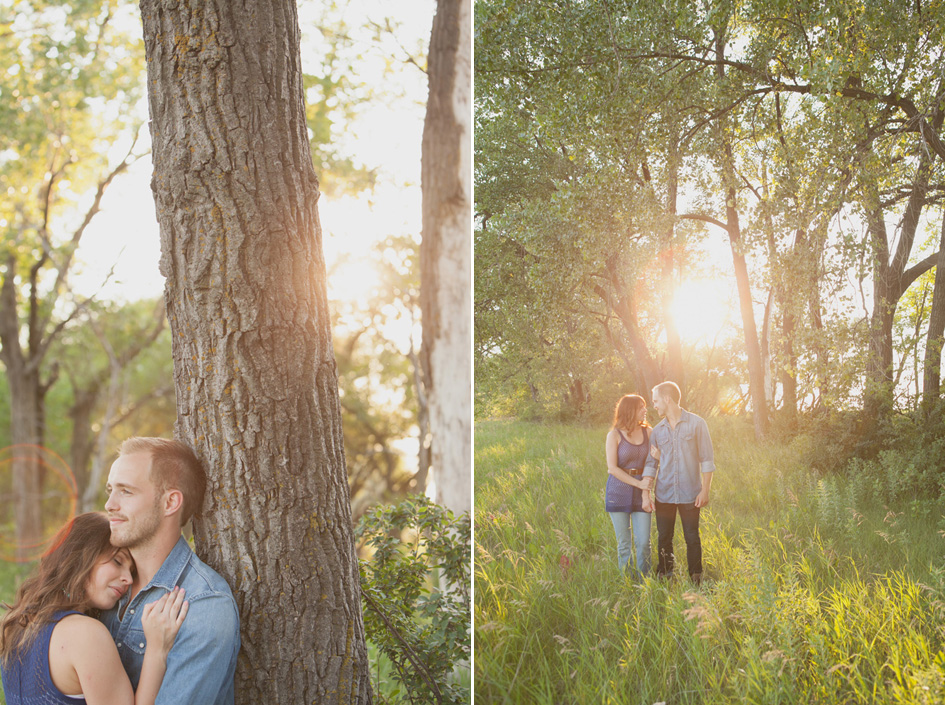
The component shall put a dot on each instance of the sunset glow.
(703, 309)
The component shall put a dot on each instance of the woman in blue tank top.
(52, 651)
(627, 498)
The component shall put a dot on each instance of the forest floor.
(813, 594)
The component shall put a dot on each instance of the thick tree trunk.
(932, 375)
(445, 251)
(257, 392)
(890, 282)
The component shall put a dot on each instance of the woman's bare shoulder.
(79, 629)
(79, 643)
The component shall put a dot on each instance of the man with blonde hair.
(686, 466)
(154, 487)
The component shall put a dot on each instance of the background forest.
(746, 198)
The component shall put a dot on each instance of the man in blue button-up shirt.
(686, 465)
(154, 487)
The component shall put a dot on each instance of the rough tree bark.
(257, 392)
(445, 251)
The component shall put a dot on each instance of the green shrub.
(416, 596)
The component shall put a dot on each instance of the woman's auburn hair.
(59, 583)
(625, 413)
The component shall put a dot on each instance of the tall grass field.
(815, 591)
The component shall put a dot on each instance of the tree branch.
(704, 219)
(408, 650)
(914, 272)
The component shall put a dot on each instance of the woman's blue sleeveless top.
(26, 679)
(621, 497)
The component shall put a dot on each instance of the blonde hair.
(668, 390)
(173, 465)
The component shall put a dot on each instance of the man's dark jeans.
(666, 527)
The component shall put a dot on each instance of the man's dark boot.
(696, 578)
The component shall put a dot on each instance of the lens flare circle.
(56, 501)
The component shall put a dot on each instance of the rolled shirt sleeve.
(704, 447)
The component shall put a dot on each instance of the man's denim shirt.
(685, 453)
(202, 662)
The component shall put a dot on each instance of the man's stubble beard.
(141, 533)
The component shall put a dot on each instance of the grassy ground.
(814, 593)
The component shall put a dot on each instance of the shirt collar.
(170, 571)
(683, 416)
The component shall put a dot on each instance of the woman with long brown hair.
(627, 498)
(52, 650)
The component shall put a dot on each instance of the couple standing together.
(678, 453)
(97, 621)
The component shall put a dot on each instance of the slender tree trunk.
(445, 251)
(80, 413)
(675, 370)
(257, 392)
(639, 351)
(26, 422)
(26, 462)
(756, 371)
(932, 374)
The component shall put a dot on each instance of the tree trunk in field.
(756, 372)
(932, 376)
(640, 353)
(673, 341)
(756, 367)
(257, 392)
(890, 282)
(445, 251)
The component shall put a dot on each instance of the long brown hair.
(59, 582)
(626, 411)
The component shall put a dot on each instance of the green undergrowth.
(816, 591)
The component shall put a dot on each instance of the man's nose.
(110, 503)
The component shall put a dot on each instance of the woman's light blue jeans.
(633, 531)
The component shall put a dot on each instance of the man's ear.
(173, 502)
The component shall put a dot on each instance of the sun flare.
(702, 309)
